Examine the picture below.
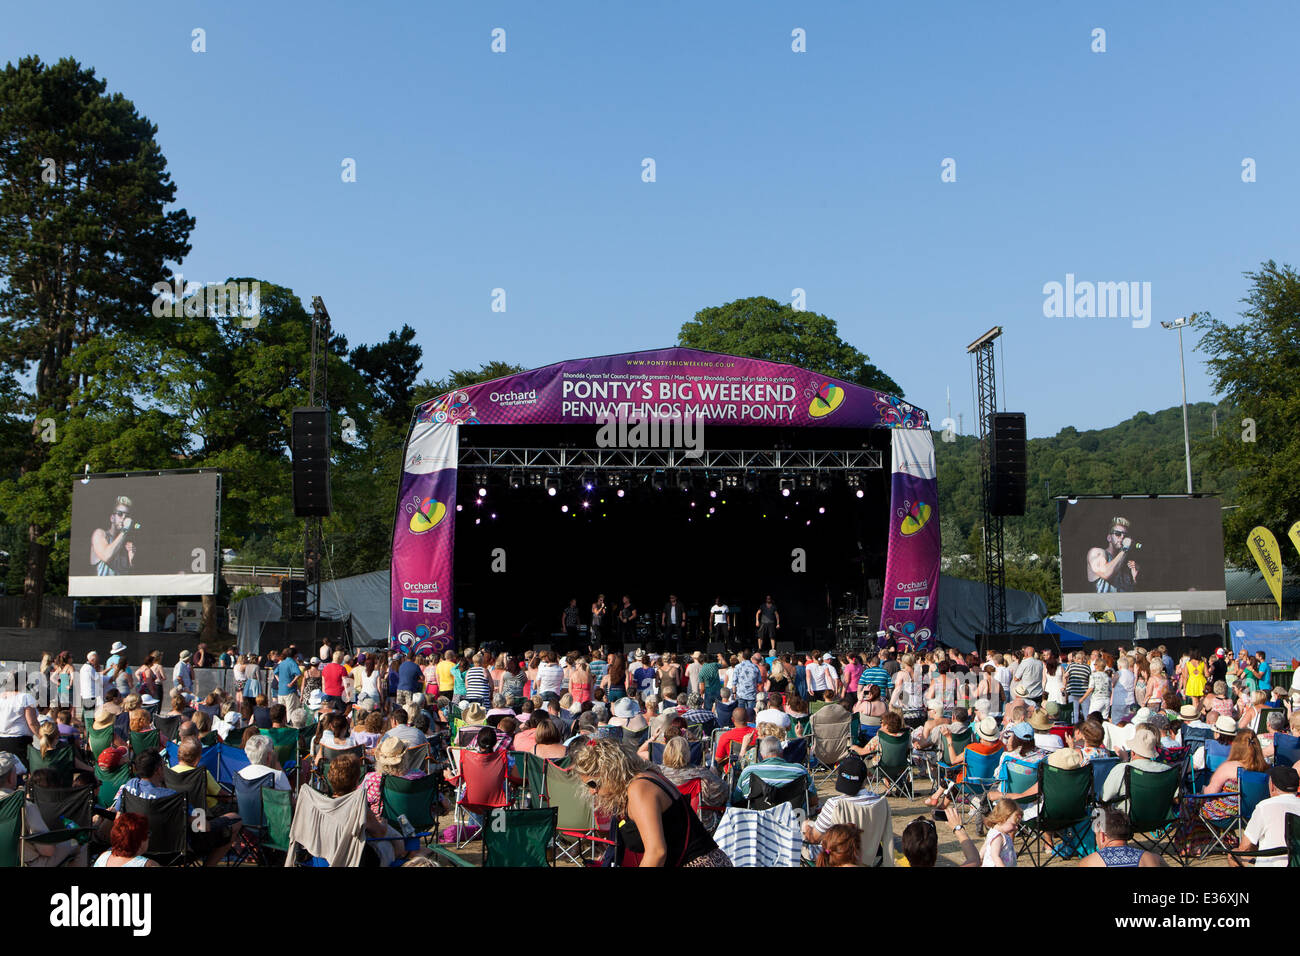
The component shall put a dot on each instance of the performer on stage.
(768, 621)
(719, 621)
(110, 552)
(569, 622)
(671, 620)
(598, 611)
(627, 622)
(1109, 569)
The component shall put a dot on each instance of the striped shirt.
(478, 685)
(876, 675)
(760, 837)
(1076, 678)
(826, 819)
(775, 772)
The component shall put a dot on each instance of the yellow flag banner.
(1294, 535)
(1264, 547)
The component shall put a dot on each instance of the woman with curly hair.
(658, 821)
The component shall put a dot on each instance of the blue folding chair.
(1286, 750)
(1252, 787)
(1101, 768)
(980, 777)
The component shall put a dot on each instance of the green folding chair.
(1153, 809)
(100, 740)
(893, 770)
(416, 799)
(441, 856)
(576, 824)
(517, 838)
(142, 741)
(11, 829)
(1063, 810)
(61, 761)
(277, 817)
(532, 770)
(285, 742)
(110, 783)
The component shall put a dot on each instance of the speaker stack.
(1007, 463)
(311, 463)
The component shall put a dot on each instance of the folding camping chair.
(100, 740)
(531, 769)
(978, 776)
(1062, 810)
(109, 784)
(277, 819)
(169, 827)
(830, 742)
(67, 812)
(248, 798)
(1286, 750)
(893, 770)
(693, 790)
(576, 823)
(11, 829)
(764, 795)
(60, 761)
(1153, 809)
(483, 788)
(1251, 789)
(141, 741)
(320, 773)
(168, 725)
(417, 800)
(520, 837)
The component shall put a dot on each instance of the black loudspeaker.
(785, 647)
(1007, 461)
(715, 648)
(540, 648)
(293, 600)
(311, 463)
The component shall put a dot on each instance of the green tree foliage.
(84, 235)
(464, 378)
(763, 328)
(1255, 364)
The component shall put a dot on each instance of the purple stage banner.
(912, 566)
(659, 385)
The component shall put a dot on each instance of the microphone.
(129, 525)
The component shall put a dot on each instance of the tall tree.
(763, 328)
(1253, 364)
(463, 378)
(84, 235)
(390, 370)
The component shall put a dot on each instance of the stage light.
(713, 494)
(588, 480)
(731, 481)
(535, 479)
(860, 493)
(586, 504)
(482, 491)
(614, 479)
(552, 486)
(805, 481)
(564, 509)
(711, 510)
(494, 516)
(853, 479)
(808, 522)
(823, 482)
(751, 483)
(692, 504)
(478, 520)
(620, 492)
(787, 486)
(516, 479)
(460, 507)
(821, 510)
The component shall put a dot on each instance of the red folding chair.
(484, 787)
(693, 790)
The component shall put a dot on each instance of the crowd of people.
(663, 744)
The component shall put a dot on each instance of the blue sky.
(775, 171)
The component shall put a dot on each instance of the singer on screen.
(1110, 569)
(110, 551)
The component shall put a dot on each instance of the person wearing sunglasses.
(652, 817)
(111, 553)
(1110, 569)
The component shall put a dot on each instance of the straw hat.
(391, 755)
(475, 714)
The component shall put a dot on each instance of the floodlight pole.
(1181, 324)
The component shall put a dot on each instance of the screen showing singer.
(1110, 569)
(111, 550)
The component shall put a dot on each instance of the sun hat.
(627, 708)
(315, 660)
(1142, 716)
(1189, 712)
(117, 648)
(475, 714)
(1040, 721)
(185, 655)
(148, 700)
(390, 754)
(772, 716)
(1139, 748)
(1226, 725)
(988, 729)
(1067, 758)
(8, 763)
(1053, 709)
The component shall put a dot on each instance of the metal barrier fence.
(26, 676)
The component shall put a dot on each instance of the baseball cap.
(828, 657)
(1022, 730)
(1284, 778)
(851, 774)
